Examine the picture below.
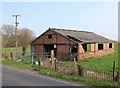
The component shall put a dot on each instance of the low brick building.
(72, 43)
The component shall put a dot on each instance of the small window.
(84, 47)
(110, 45)
(100, 46)
(50, 36)
(74, 49)
(88, 47)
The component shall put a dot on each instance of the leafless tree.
(25, 36)
(8, 34)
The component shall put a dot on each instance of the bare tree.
(8, 34)
(25, 36)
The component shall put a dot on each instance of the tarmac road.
(15, 77)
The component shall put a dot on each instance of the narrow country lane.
(15, 77)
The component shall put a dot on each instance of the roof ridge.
(69, 30)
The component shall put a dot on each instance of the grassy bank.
(103, 63)
(52, 73)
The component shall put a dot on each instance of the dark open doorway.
(49, 47)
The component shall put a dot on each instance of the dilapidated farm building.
(68, 44)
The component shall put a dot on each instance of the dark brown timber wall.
(63, 44)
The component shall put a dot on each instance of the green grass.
(7, 53)
(20, 65)
(79, 79)
(13, 49)
(103, 63)
(52, 73)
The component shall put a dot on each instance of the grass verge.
(52, 73)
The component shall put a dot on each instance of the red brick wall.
(80, 50)
(92, 47)
(96, 46)
(94, 51)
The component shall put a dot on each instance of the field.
(104, 63)
(13, 49)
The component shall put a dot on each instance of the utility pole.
(16, 30)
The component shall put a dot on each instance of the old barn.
(68, 44)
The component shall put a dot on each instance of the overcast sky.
(98, 17)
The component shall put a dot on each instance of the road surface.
(15, 77)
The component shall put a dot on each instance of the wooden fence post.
(52, 57)
(80, 70)
(74, 61)
(40, 61)
(11, 55)
(55, 64)
(113, 70)
(117, 77)
(32, 58)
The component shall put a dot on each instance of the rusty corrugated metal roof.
(83, 36)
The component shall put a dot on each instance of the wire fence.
(44, 60)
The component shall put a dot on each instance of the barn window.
(84, 47)
(74, 49)
(50, 36)
(100, 46)
(88, 47)
(110, 45)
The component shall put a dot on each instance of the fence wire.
(44, 60)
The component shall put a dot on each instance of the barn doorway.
(48, 48)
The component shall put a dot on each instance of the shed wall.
(63, 44)
(94, 51)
